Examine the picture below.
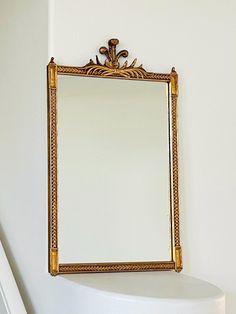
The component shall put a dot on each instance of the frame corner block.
(52, 74)
(178, 258)
(174, 82)
(54, 265)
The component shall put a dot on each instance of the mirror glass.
(113, 170)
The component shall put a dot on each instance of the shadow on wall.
(16, 272)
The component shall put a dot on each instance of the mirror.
(113, 205)
(113, 170)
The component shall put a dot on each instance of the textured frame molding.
(110, 69)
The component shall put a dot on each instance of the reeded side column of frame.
(175, 177)
(52, 168)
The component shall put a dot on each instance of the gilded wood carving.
(112, 67)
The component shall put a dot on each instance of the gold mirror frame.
(110, 69)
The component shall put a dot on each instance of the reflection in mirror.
(113, 170)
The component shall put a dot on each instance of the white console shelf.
(145, 293)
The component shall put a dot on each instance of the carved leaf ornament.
(112, 66)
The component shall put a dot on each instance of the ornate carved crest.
(112, 66)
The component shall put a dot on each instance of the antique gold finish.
(52, 74)
(175, 176)
(111, 69)
(52, 168)
(174, 82)
(54, 266)
(178, 259)
(116, 267)
(112, 66)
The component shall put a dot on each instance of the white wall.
(198, 37)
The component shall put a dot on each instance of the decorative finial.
(111, 66)
(112, 56)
